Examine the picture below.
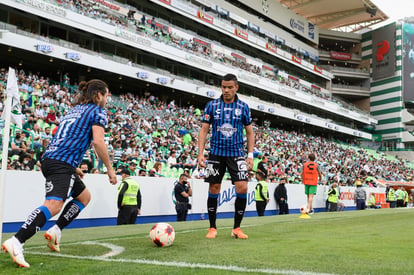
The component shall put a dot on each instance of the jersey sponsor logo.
(218, 112)
(227, 130)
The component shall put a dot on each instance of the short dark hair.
(230, 77)
(311, 157)
(284, 179)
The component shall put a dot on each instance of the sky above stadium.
(395, 9)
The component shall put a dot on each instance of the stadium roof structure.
(340, 15)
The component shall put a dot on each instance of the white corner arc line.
(115, 249)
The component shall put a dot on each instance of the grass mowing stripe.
(183, 264)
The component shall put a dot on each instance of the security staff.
(333, 195)
(391, 197)
(182, 192)
(400, 196)
(405, 197)
(129, 199)
(261, 190)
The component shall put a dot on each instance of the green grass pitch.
(352, 242)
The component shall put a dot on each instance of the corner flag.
(12, 105)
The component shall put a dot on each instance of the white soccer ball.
(304, 209)
(162, 234)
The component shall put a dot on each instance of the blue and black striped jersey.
(74, 134)
(228, 121)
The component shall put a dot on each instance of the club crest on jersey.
(237, 112)
(48, 186)
(241, 165)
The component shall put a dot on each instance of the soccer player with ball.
(228, 116)
(85, 123)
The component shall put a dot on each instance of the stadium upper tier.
(144, 124)
(254, 75)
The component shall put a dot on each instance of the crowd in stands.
(148, 27)
(155, 138)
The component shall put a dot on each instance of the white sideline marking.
(180, 264)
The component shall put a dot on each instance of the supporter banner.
(205, 17)
(341, 55)
(108, 5)
(296, 59)
(271, 47)
(267, 68)
(168, 2)
(293, 78)
(241, 34)
(238, 56)
(383, 52)
(317, 69)
(196, 40)
(316, 87)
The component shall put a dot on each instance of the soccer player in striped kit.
(228, 116)
(82, 125)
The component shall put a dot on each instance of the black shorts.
(216, 168)
(61, 180)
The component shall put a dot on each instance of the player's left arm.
(250, 145)
(102, 150)
(139, 201)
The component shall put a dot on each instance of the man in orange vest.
(310, 176)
